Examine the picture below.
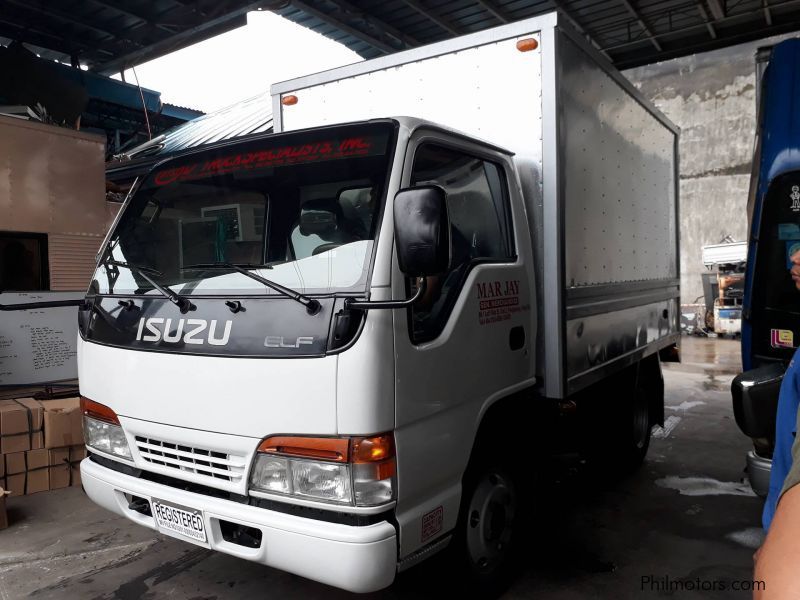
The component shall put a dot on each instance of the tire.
(632, 452)
(616, 429)
(484, 554)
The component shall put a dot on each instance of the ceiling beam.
(417, 6)
(755, 31)
(174, 42)
(67, 18)
(791, 24)
(716, 9)
(356, 33)
(136, 15)
(711, 31)
(47, 40)
(492, 10)
(346, 7)
(635, 14)
(581, 29)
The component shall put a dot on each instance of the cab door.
(470, 340)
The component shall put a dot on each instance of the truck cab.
(251, 386)
(771, 307)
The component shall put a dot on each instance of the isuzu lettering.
(342, 347)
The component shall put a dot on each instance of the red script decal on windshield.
(287, 155)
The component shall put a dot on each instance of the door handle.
(516, 337)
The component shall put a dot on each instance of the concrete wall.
(711, 97)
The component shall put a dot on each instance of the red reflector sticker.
(432, 523)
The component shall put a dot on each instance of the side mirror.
(422, 231)
(755, 400)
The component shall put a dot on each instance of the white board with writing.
(40, 345)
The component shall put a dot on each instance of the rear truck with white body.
(342, 347)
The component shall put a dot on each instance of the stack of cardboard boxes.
(41, 445)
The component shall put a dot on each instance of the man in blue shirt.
(777, 559)
(786, 419)
(785, 431)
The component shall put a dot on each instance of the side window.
(480, 227)
(23, 262)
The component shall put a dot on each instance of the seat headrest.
(319, 216)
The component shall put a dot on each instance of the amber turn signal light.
(527, 44)
(373, 449)
(98, 411)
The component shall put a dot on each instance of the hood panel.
(239, 396)
(268, 326)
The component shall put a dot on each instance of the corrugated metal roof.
(628, 32)
(244, 118)
(110, 35)
(251, 116)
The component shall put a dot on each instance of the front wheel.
(486, 546)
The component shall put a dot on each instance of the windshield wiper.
(312, 306)
(184, 304)
(138, 268)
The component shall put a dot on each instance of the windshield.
(300, 210)
(779, 247)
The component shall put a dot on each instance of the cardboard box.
(63, 423)
(3, 513)
(37, 459)
(15, 463)
(76, 476)
(29, 472)
(38, 463)
(21, 422)
(15, 484)
(37, 481)
(76, 455)
(59, 469)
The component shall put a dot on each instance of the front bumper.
(358, 559)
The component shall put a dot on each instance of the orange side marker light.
(527, 44)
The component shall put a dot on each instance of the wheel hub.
(490, 521)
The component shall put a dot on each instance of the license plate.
(183, 521)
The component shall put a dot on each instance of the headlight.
(102, 430)
(324, 481)
(303, 478)
(106, 437)
(353, 471)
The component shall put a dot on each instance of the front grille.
(199, 461)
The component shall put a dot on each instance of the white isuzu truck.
(342, 347)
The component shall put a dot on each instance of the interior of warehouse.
(267, 336)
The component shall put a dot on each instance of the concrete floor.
(685, 515)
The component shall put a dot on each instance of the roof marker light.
(289, 100)
(527, 44)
